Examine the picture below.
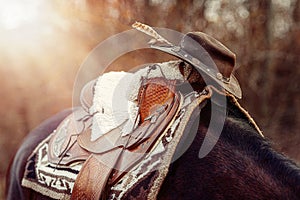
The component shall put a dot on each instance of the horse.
(241, 165)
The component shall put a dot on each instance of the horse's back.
(16, 170)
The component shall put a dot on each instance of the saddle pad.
(46, 178)
(110, 104)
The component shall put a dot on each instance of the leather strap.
(103, 144)
(92, 178)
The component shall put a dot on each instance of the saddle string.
(65, 151)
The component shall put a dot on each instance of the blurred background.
(44, 42)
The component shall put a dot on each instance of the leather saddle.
(110, 156)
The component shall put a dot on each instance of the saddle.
(112, 152)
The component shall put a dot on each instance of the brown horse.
(242, 165)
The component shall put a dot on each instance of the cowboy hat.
(209, 56)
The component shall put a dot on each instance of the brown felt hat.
(207, 55)
(220, 54)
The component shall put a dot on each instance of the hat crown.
(215, 52)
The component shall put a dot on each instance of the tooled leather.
(63, 146)
(156, 91)
(92, 178)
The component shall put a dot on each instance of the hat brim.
(231, 85)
